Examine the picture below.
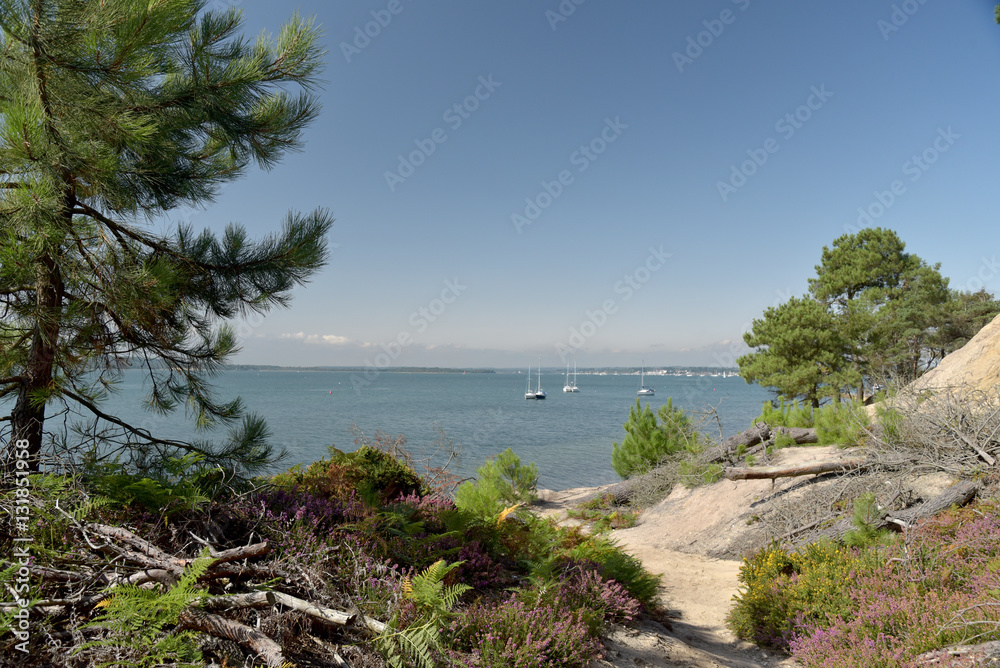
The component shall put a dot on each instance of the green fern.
(417, 642)
(138, 619)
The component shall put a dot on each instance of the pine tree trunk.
(28, 416)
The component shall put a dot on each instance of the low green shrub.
(377, 476)
(891, 422)
(836, 423)
(865, 520)
(604, 514)
(842, 423)
(501, 482)
(615, 564)
(178, 484)
(694, 472)
(786, 414)
(783, 590)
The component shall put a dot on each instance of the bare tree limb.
(206, 622)
(772, 472)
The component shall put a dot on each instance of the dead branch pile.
(920, 457)
(251, 627)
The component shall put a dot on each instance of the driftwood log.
(772, 472)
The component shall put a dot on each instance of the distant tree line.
(874, 313)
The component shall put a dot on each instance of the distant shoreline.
(610, 371)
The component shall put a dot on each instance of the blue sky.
(616, 182)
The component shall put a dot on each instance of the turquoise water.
(569, 435)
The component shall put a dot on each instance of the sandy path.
(672, 539)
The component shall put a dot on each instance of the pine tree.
(799, 351)
(112, 114)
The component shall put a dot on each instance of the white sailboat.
(539, 393)
(570, 387)
(643, 390)
(528, 394)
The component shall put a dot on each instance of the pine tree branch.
(135, 431)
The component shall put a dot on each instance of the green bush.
(786, 414)
(623, 568)
(501, 482)
(842, 423)
(865, 520)
(890, 423)
(179, 483)
(782, 591)
(648, 442)
(836, 423)
(377, 476)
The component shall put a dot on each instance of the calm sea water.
(569, 435)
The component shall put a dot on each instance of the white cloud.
(329, 339)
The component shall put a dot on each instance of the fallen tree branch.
(148, 552)
(801, 435)
(958, 494)
(266, 599)
(758, 433)
(978, 655)
(206, 622)
(772, 472)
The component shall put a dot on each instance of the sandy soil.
(677, 538)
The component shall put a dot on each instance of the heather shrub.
(615, 564)
(941, 589)
(605, 601)
(842, 607)
(514, 634)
